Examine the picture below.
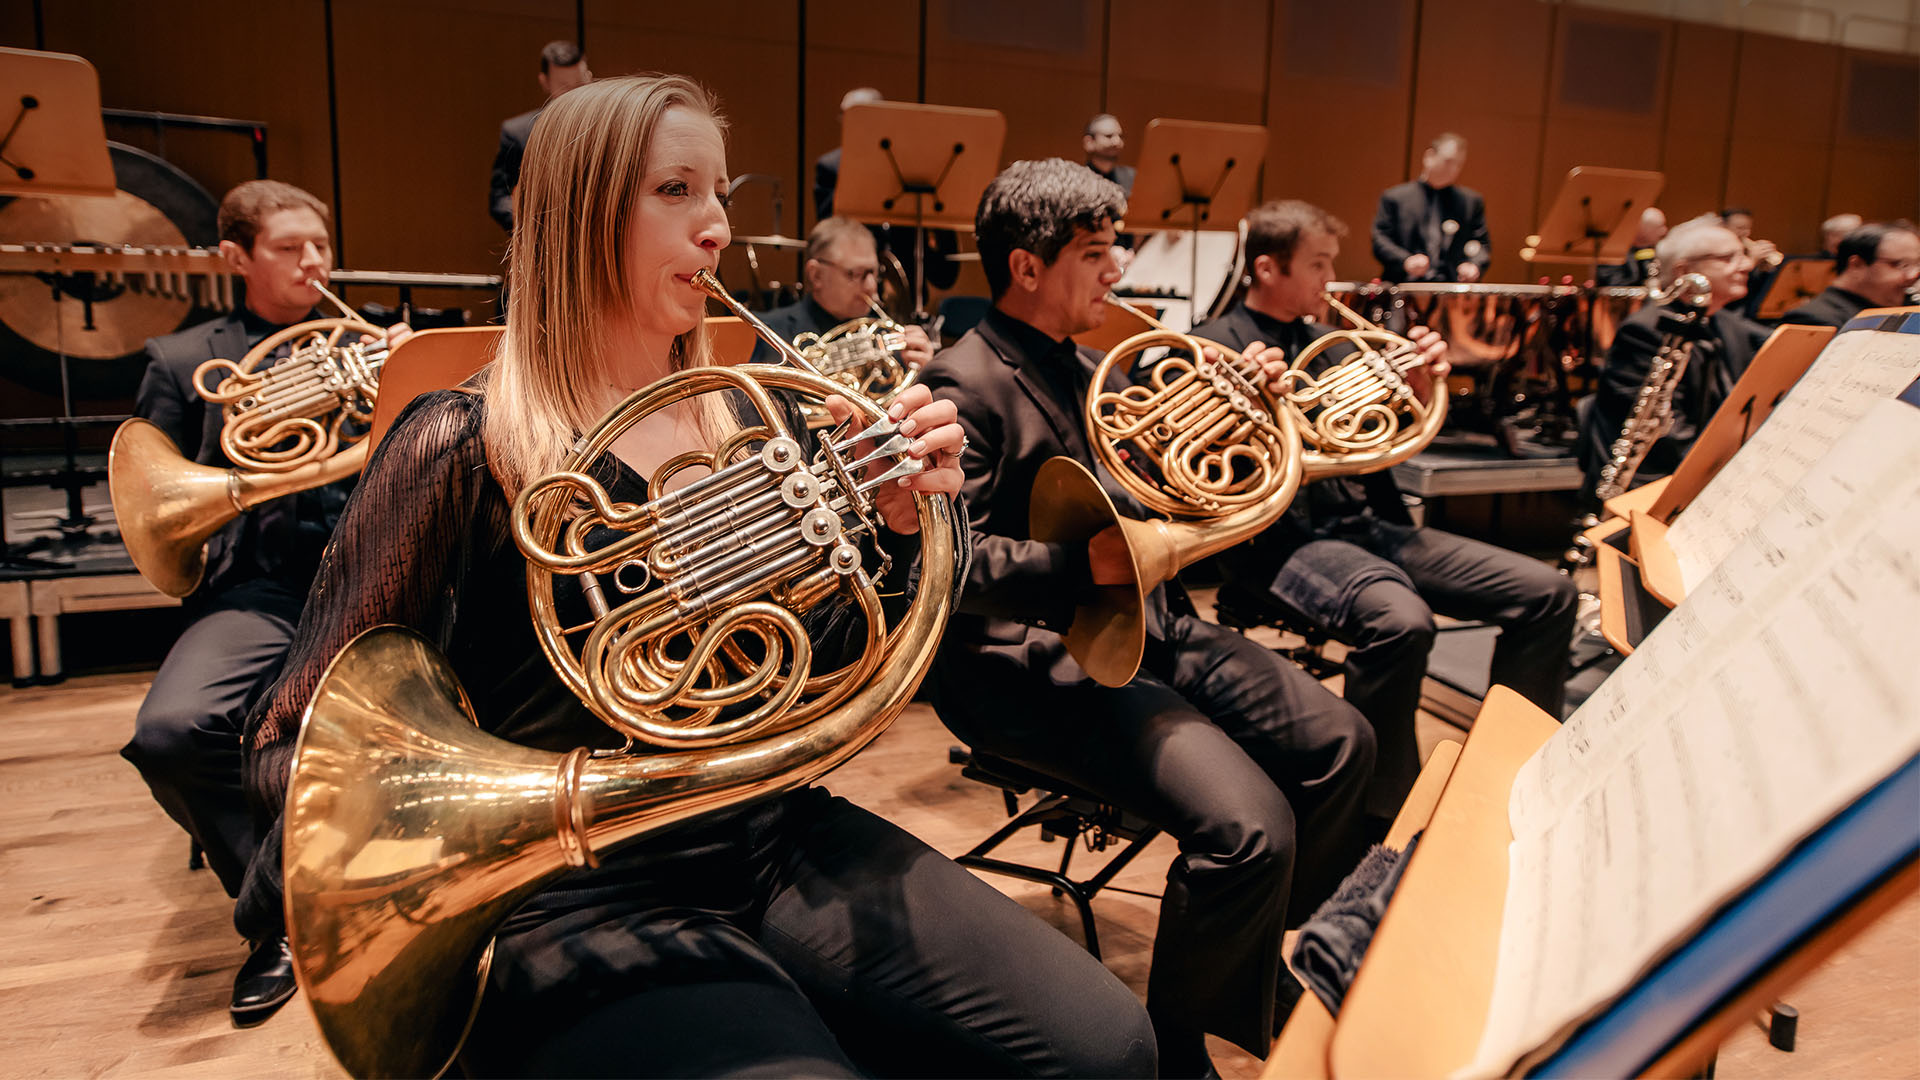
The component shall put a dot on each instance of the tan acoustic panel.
(1207, 64)
(1782, 136)
(1338, 110)
(1047, 87)
(1611, 65)
(1882, 97)
(171, 58)
(1483, 74)
(1699, 114)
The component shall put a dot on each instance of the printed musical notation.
(1857, 369)
(1771, 698)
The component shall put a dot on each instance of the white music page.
(1855, 370)
(1776, 694)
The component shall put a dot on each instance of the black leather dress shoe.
(264, 983)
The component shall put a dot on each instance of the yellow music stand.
(918, 165)
(428, 360)
(1594, 216)
(52, 140)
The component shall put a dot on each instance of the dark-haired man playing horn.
(186, 740)
(1347, 557)
(843, 274)
(1254, 767)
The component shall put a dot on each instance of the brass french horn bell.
(410, 834)
(287, 430)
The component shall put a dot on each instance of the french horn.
(861, 354)
(410, 834)
(290, 425)
(1219, 450)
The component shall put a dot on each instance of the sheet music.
(1855, 370)
(1772, 697)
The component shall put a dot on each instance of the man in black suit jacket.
(186, 740)
(1432, 229)
(1347, 556)
(562, 67)
(1724, 342)
(842, 274)
(1253, 766)
(1875, 267)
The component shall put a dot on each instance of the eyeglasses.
(1719, 256)
(853, 276)
(1901, 266)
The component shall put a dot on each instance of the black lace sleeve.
(388, 562)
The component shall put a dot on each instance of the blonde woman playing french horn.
(797, 936)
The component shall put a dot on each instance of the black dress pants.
(1253, 767)
(829, 943)
(186, 737)
(1377, 589)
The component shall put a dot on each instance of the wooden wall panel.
(1699, 116)
(16, 24)
(1875, 167)
(1782, 136)
(751, 60)
(1482, 72)
(1037, 63)
(1338, 107)
(226, 58)
(851, 43)
(1606, 98)
(1205, 60)
(1350, 91)
(413, 175)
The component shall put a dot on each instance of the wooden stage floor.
(118, 960)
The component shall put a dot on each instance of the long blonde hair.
(566, 269)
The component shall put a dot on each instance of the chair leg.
(196, 856)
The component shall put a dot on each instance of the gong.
(100, 325)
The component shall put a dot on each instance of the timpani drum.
(1599, 315)
(1483, 324)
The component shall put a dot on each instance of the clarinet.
(1652, 415)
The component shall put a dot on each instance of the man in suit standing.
(842, 273)
(1723, 344)
(562, 67)
(240, 619)
(1874, 267)
(1347, 556)
(1248, 762)
(1432, 229)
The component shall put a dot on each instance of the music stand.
(919, 165)
(1594, 217)
(52, 143)
(52, 140)
(1195, 175)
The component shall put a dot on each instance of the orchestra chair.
(1238, 611)
(1061, 812)
(732, 340)
(426, 361)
